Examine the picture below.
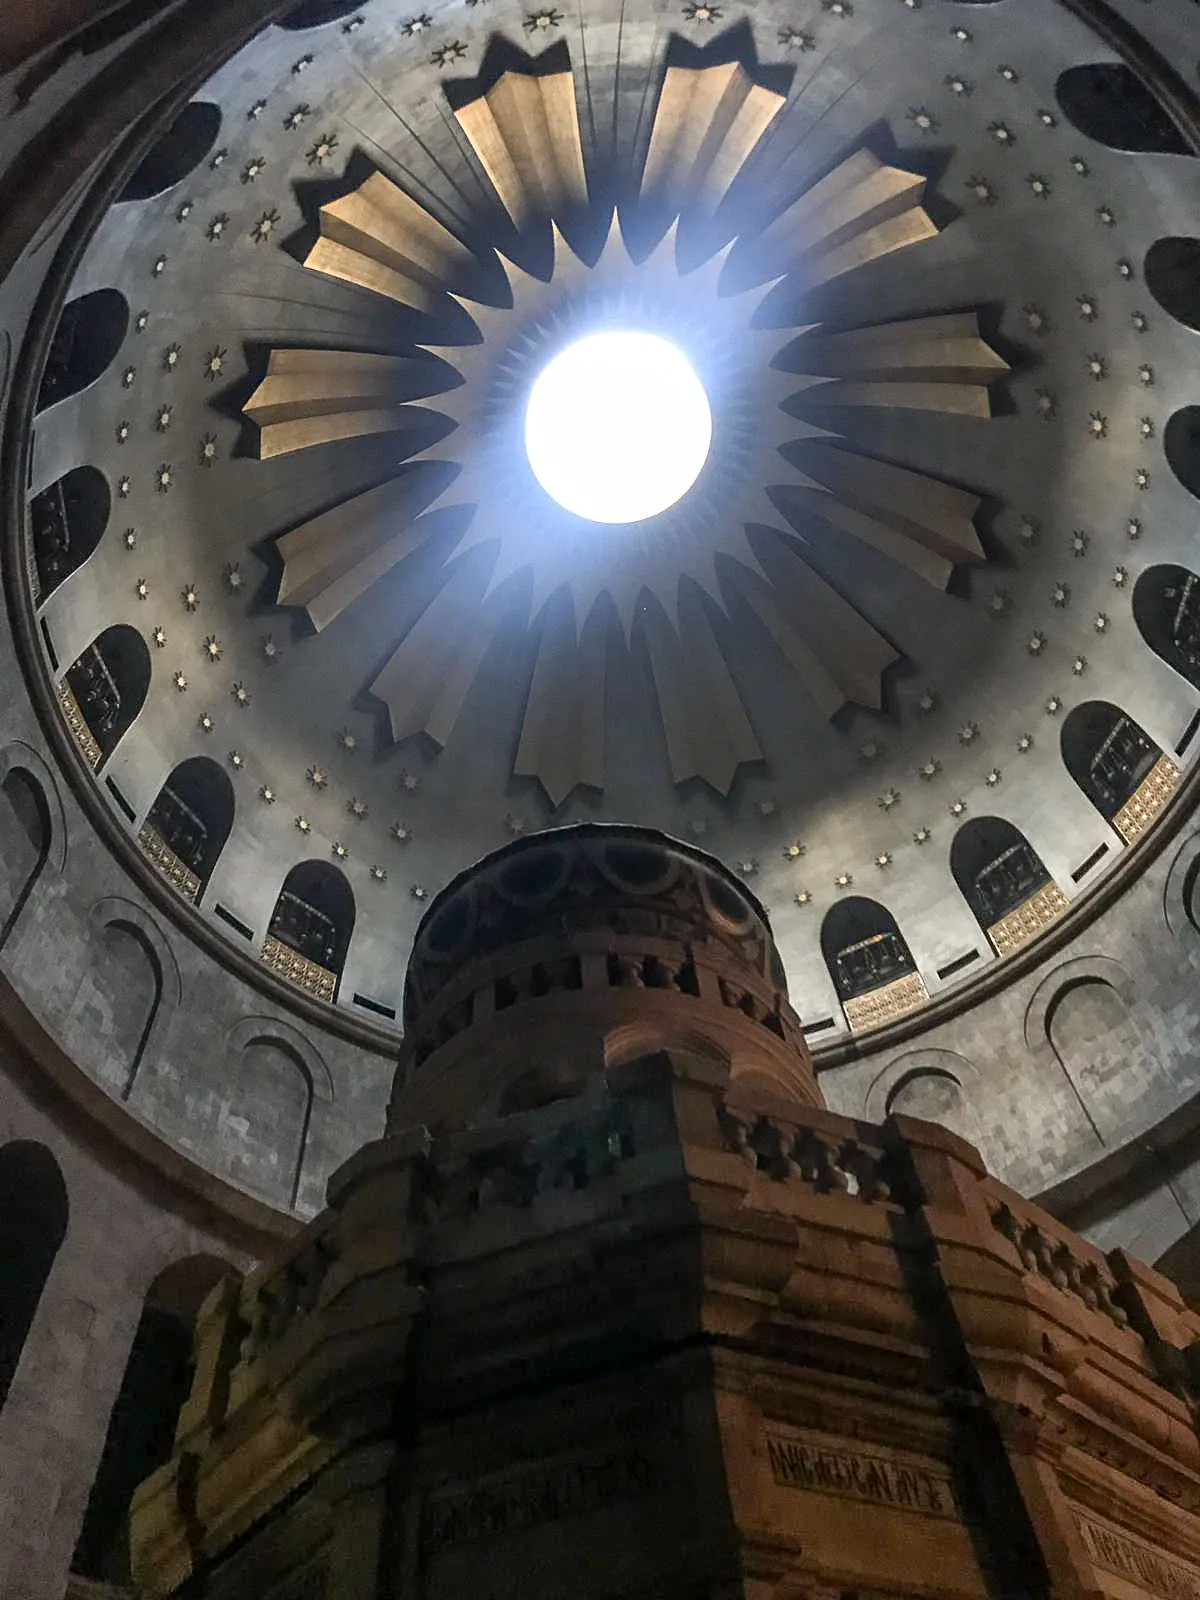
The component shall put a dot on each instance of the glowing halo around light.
(618, 426)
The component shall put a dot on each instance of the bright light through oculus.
(618, 427)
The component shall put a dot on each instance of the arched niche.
(33, 1223)
(1109, 103)
(317, 13)
(1181, 446)
(267, 1103)
(1172, 269)
(870, 963)
(1004, 881)
(175, 153)
(105, 688)
(186, 828)
(313, 919)
(1166, 608)
(1116, 763)
(1092, 1034)
(90, 331)
(66, 522)
(129, 975)
(141, 1427)
(25, 834)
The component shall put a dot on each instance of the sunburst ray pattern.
(783, 456)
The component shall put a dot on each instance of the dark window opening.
(179, 151)
(90, 331)
(66, 523)
(863, 947)
(109, 681)
(193, 814)
(995, 867)
(1107, 754)
(1109, 103)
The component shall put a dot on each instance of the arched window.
(33, 1223)
(90, 331)
(142, 1424)
(1004, 882)
(66, 522)
(1118, 766)
(104, 689)
(1111, 104)
(870, 963)
(1181, 446)
(24, 843)
(186, 828)
(179, 151)
(316, 13)
(1166, 608)
(310, 928)
(1172, 269)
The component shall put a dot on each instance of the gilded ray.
(525, 134)
(706, 122)
(379, 238)
(312, 397)
(426, 679)
(331, 560)
(860, 211)
(707, 732)
(562, 730)
(926, 525)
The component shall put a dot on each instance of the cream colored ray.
(927, 364)
(562, 729)
(525, 133)
(312, 397)
(706, 123)
(379, 238)
(707, 732)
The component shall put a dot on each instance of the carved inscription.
(829, 1468)
(1138, 1563)
(514, 1503)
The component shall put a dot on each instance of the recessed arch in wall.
(67, 520)
(1181, 446)
(188, 824)
(25, 835)
(1001, 877)
(1108, 102)
(107, 684)
(869, 960)
(1181, 890)
(1116, 763)
(313, 919)
(90, 331)
(1172, 271)
(176, 153)
(129, 990)
(142, 1424)
(923, 1082)
(265, 1117)
(34, 1212)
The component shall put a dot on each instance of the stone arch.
(1172, 271)
(34, 1212)
(91, 329)
(145, 1415)
(1069, 974)
(1181, 446)
(67, 520)
(130, 989)
(187, 826)
(914, 1082)
(25, 836)
(1181, 891)
(314, 917)
(1108, 754)
(1166, 609)
(317, 14)
(1108, 102)
(20, 754)
(266, 1112)
(108, 683)
(996, 869)
(176, 152)
(256, 1027)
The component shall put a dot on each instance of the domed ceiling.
(904, 250)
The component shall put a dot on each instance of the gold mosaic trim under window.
(1024, 922)
(885, 1004)
(82, 734)
(177, 872)
(298, 969)
(1147, 800)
